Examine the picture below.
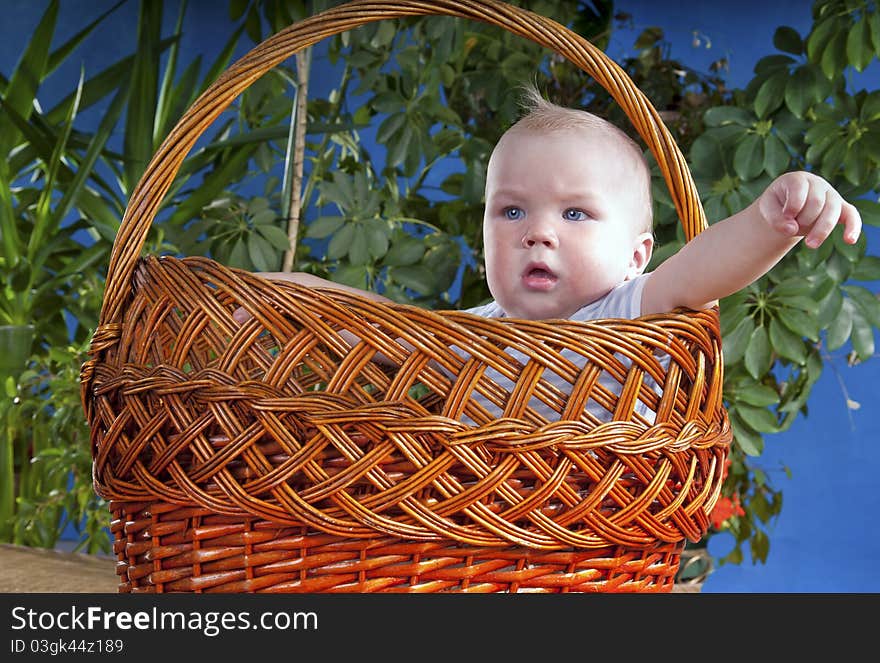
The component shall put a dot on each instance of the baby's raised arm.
(734, 252)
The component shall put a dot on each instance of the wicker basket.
(227, 470)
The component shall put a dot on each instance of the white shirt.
(624, 301)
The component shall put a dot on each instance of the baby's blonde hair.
(539, 114)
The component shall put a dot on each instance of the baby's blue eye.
(574, 214)
(513, 213)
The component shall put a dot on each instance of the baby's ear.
(643, 247)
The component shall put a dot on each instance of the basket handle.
(159, 175)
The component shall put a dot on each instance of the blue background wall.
(827, 538)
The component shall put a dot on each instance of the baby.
(567, 227)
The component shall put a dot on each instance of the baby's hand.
(801, 204)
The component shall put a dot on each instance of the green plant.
(62, 194)
(43, 177)
(802, 110)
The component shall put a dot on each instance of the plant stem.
(303, 63)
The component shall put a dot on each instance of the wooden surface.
(37, 570)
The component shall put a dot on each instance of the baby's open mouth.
(539, 277)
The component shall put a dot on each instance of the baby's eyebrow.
(505, 193)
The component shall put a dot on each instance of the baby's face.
(563, 222)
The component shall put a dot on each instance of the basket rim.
(158, 177)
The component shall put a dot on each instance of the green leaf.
(390, 126)
(238, 256)
(874, 25)
(351, 275)
(867, 269)
(866, 301)
(747, 439)
(415, 277)
(61, 54)
(264, 217)
(759, 395)
(221, 62)
(275, 236)
(21, 89)
(324, 226)
(834, 56)
(788, 39)
(340, 242)
(140, 113)
(759, 546)
(829, 308)
(841, 326)
(733, 309)
(856, 166)
(10, 387)
(443, 260)
(358, 253)
(799, 323)
(859, 48)
(776, 156)
(721, 115)
(407, 250)
(377, 239)
(771, 94)
(758, 356)
(707, 155)
(399, 145)
(262, 254)
(45, 222)
(833, 159)
(852, 252)
(800, 90)
(870, 140)
(802, 303)
(734, 344)
(236, 9)
(819, 137)
(818, 39)
(869, 210)
(164, 103)
(748, 159)
(211, 187)
(758, 418)
(769, 64)
(787, 343)
(384, 34)
(862, 337)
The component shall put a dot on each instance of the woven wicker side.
(276, 455)
(166, 548)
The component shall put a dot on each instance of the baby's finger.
(852, 223)
(826, 220)
(240, 315)
(791, 192)
(814, 199)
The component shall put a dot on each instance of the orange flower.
(725, 508)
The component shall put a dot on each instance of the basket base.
(166, 548)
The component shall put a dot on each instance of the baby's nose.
(539, 233)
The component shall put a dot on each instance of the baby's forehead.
(574, 137)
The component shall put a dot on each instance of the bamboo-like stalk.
(303, 64)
